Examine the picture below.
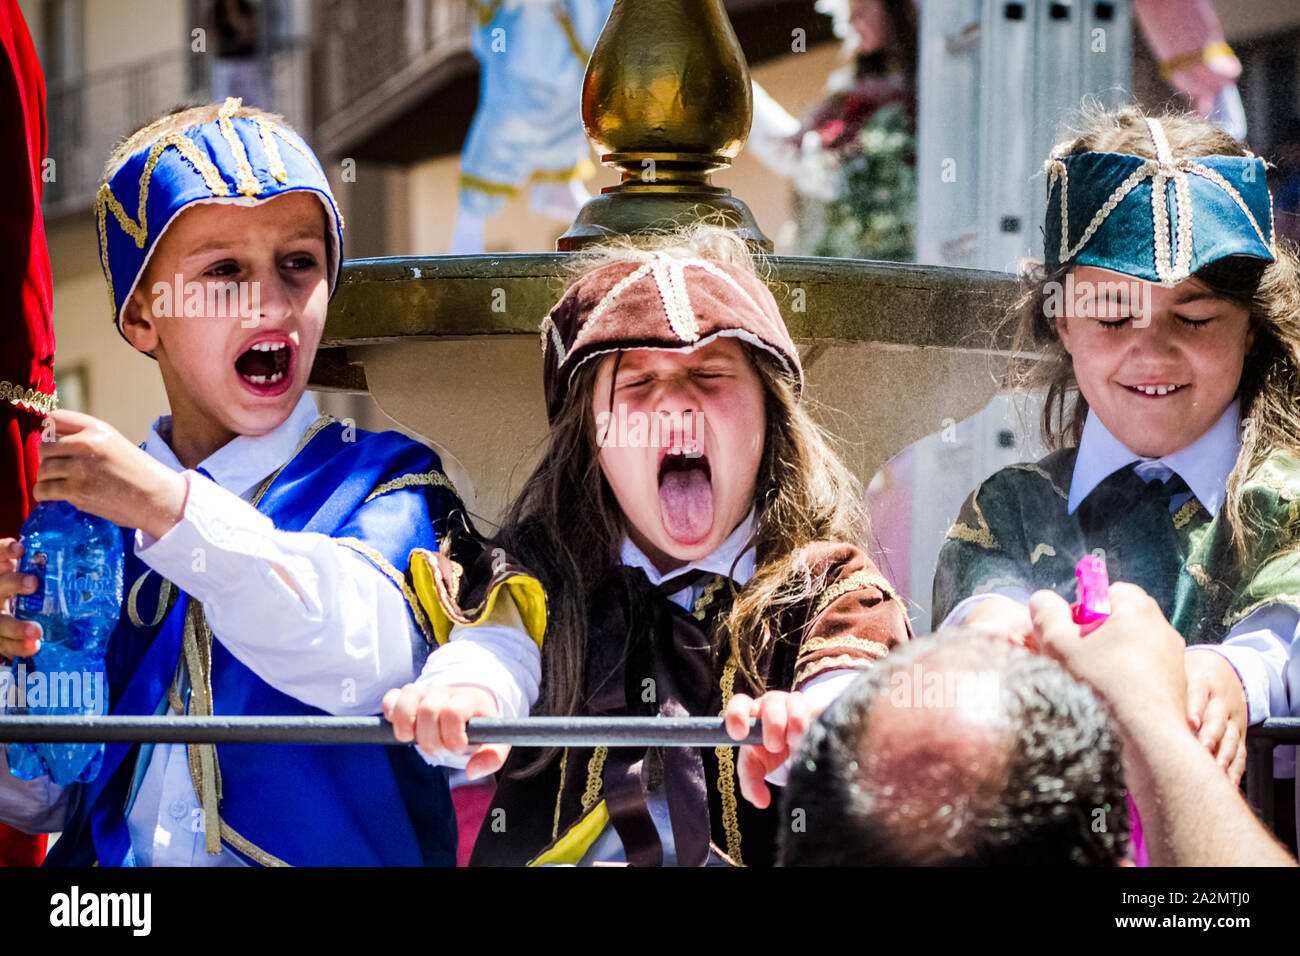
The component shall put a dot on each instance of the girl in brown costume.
(696, 542)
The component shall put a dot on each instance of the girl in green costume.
(1165, 327)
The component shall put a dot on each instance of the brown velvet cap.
(664, 303)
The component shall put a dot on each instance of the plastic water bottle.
(77, 561)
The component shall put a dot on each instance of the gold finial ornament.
(666, 100)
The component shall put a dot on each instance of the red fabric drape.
(26, 301)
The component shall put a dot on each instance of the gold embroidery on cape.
(814, 644)
(457, 572)
(856, 581)
(726, 759)
(1273, 483)
(248, 848)
(205, 771)
(379, 561)
(1041, 549)
(40, 402)
(982, 536)
(727, 771)
(308, 435)
(809, 671)
(449, 594)
(1041, 472)
(417, 611)
(706, 596)
(196, 659)
(1234, 617)
(1185, 514)
(1198, 575)
(411, 481)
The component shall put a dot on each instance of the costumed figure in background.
(240, 67)
(26, 297)
(1187, 40)
(1163, 327)
(527, 132)
(853, 160)
(695, 540)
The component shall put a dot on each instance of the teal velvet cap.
(1156, 219)
(243, 160)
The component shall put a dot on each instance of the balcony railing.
(87, 116)
(377, 57)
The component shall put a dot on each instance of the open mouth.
(264, 366)
(685, 494)
(1155, 390)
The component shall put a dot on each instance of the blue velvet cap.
(1156, 219)
(232, 159)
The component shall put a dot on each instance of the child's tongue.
(686, 504)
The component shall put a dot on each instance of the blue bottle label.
(34, 603)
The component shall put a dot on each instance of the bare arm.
(1191, 813)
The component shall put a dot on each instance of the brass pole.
(667, 101)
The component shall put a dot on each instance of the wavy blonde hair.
(567, 525)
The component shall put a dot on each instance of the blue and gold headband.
(1156, 219)
(231, 159)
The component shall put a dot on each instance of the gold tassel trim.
(166, 598)
(595, 771)
(559, 796)
(727, 772)
(707, 596)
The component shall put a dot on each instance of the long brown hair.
(1269, 391)
(566, 524)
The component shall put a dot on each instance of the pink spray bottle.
(1092, 608)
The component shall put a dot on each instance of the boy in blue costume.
(267, 571)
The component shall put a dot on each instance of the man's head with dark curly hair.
(959, 750)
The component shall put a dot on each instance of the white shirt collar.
(244, 461)
(719, 562)
(1205, 464)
